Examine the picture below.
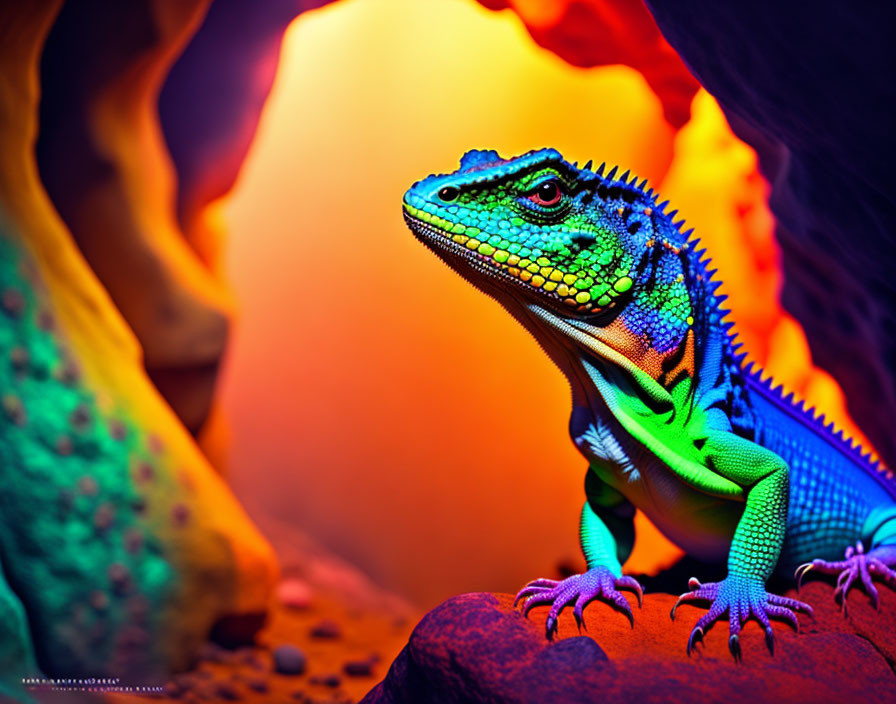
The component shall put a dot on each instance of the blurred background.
(375, 398)
(240, 402)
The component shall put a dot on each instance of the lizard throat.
(536, 279)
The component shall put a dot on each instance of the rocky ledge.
(477, 648)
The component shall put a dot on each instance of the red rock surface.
(476, 648)
(591, 33)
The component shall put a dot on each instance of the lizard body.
(669, 415)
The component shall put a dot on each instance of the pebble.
(358, 668)
(257, 684)
(326, 629)
(289, 660)
(253, 661)
(326, 680)
(294, 593)
(228, 692)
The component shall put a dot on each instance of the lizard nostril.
(448, 193)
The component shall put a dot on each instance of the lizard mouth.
(537, 279)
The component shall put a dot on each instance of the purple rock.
(227, 692)
(358, 668)
(289, 660)
(326, 629)
(256, 684)
(332, 680)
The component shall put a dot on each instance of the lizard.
(667, 409)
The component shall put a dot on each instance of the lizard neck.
(669, 338)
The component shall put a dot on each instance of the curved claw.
(742, 598)
(784, 614)
(770, 639)
(526, 592)
(695, 637)
(631, 583)
(597, 583)
(550, 627)
(534, 587)
(857, 566)
(789, 603)
(536, 600)
(580, 621)
(801, 572)
(622, 605)
(734, 647)
(698, 594)
(871, 589)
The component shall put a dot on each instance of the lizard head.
(573, 245)
(541, 228)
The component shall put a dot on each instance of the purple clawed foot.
(742, 598)
(597, 583)
(856, 565)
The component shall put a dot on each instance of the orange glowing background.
(376, 399)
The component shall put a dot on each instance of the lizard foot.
(581, 588)
(742, 598)
(856, 564)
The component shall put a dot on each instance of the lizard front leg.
(756, 544)
(606, 531)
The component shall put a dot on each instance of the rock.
(256, 684)
(359, 668)
(294, 593)
(332, 680)
(326, 629)
(234, 630)
(813, 94)
(212, 100)
(76, 514)
(592, 33)
(477, 648)
(101, 71)
(289, 660)
(227, 692)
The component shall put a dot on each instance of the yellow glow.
(377, 399)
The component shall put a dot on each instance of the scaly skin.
(664, 409)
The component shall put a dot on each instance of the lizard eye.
(547, 194)
(448, 193)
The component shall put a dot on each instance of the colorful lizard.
(670, 417)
